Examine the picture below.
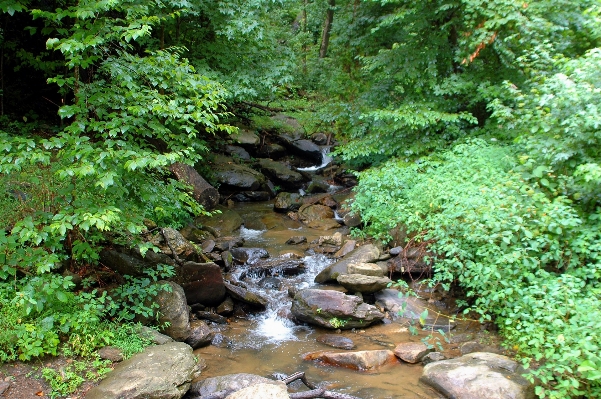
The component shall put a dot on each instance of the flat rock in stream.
(333, 309)
(246, 296)
(478, 375)
(359, 360)
(159, 372)
(363, 284)
(363, 254)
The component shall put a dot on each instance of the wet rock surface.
(359, 360)
(336, 341)
(159, 372)
(333, 309)
(479, 375)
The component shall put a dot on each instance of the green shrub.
(529, 261)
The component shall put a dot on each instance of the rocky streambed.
(272, 288)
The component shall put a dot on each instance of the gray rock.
(159, 372)
(347, 247)
(365, 269)
(173, 309)
(365, 253)
(279, 173)
(336, 341)
(318, 185)
(246, 296)
(363, 284)
(411, 352)
(306, 149)
(237, 152)
(333, 309)
(200, 336)
(478, 375)
(263, 391)
(230, 382)
(286, 202)
(351, 219)
(359, 360)
(123, 263)
(235, 177)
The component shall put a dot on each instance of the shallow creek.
(268, 344)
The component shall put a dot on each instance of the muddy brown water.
(269, 344)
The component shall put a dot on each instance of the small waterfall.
(273, 325)
(325, 161)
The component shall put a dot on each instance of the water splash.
(325, 161)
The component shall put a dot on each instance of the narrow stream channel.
(269, 344)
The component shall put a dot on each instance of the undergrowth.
(526, 259)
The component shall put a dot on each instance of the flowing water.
(269, 344)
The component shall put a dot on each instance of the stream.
(269, 344)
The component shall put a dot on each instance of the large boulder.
(279, 173)
(202, 283)
(173, 309)
(365, 253)
(333, 309)
(159, 372)
(478, 375)
(229, 383)
(234, 177)
(359, 360)
(221, 224)
(363, 284)
(306, 149)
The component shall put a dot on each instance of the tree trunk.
(327, 27)
(205, 194)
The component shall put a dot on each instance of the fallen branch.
(298, 376)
